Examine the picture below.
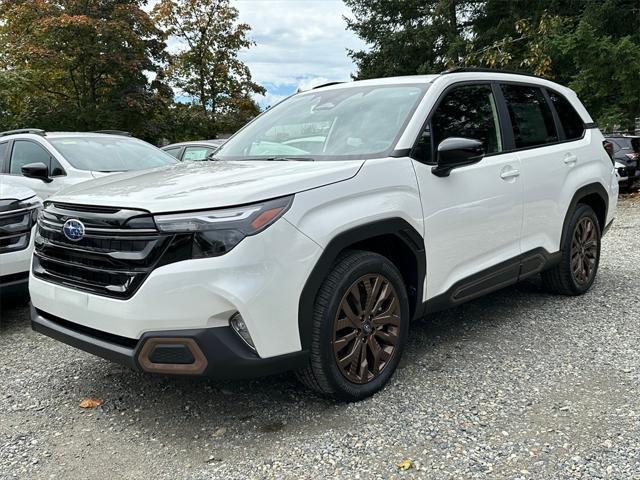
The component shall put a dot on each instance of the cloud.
(299, 44)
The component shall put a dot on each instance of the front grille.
(15, 229)
(119, 249)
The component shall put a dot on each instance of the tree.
(408, 36)
(593, 46)
(83, 64)
(207, 68)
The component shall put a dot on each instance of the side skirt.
(499, 276)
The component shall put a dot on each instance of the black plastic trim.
(61, 330)
(488, 70)
(398, 227)
(226, 354)
(494, 278)
(581, 193)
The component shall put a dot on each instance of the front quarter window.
(335, 124)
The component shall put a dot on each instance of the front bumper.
(261, 278)
(224, 355)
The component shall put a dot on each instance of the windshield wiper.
(284, 159)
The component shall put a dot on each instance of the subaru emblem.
(73, 229)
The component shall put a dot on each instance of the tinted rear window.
(530, 115)
(571, 122)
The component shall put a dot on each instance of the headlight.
(215, 232)
(13, 205)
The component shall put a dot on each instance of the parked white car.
(19, 208)
(195, 151)
(425, 192)
(49, 161)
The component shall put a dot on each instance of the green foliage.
(81, 64)
(593, 46)
(207, 68)
(103, 64)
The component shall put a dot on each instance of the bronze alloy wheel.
(366, 328)
(584, 251)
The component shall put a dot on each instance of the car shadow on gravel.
(14, 313)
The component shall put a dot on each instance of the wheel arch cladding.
(393, 238)
(593, 195)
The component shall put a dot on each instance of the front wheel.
(580, 258)
(360, 325)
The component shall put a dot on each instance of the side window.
(195, 154)
(530, 115)
(174, 152)
(24, 153)
(616, 145)
(3, 152)
(467, 111)
(571, 122)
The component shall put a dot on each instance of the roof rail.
(35, 131)
(327, 85)
(486, 70)
(113, 132)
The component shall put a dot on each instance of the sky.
(299, 44)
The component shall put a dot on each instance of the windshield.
(110, 154)
(336, 124)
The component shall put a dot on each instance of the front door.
(473, 217)
(25, 152)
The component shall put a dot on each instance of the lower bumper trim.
(226, 355)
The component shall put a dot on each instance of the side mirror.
(454, 152)
(36, 170)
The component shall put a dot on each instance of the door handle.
(513, 173)
(570, 159)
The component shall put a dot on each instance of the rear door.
(549, 156)
(473, 217)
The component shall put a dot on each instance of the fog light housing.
(237, 323)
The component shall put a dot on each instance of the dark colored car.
(193, 151)
(626, 156)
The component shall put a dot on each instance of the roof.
(461, 73)
(42, 133)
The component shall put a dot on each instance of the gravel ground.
(518, 385)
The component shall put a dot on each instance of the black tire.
(562, 279)
(323, 373)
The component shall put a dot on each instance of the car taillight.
(632, 156)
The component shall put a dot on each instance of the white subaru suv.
(323, 227)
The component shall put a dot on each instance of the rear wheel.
(578, 266)
(360, 326)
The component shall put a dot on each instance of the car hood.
(203, 185)
(12, 191)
